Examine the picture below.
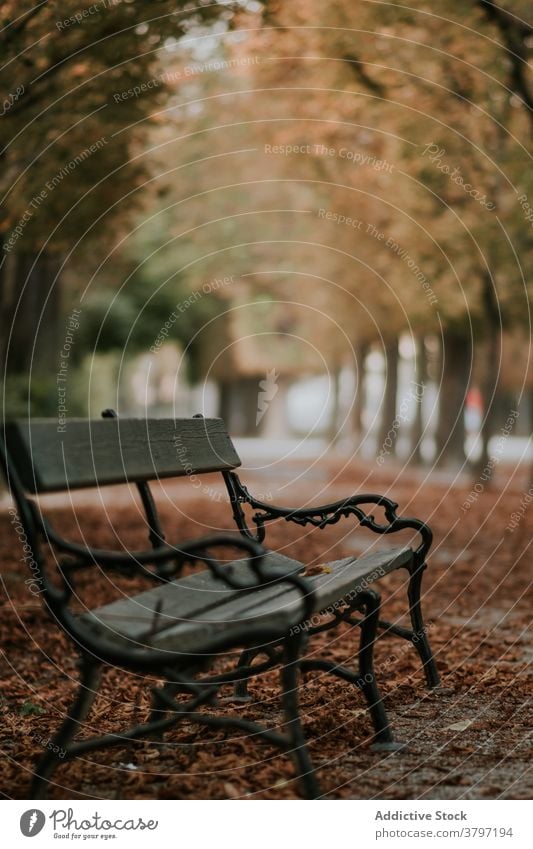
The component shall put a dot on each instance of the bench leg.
(420, 638)
(160, 710)
(371, 603)
(246, 659)
(240, 692)
(290, 673)
(88, 687)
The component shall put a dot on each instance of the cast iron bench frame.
(27, 462)
(330, 514)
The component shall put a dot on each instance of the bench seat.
(191, 614)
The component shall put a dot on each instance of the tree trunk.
(490, 372)
(421, 375)
(333, 426)
(239, 400)
(32, 334)
(224, 401)
(361, 352)
(456, 367)
(271, 408)
(530, 399)
(8, 289)
(388, 434)
(30, 303)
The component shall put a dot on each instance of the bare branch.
(358, 69)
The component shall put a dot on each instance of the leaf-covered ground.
(472, 740)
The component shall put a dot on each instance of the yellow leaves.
(317, 569)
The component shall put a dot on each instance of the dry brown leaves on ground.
(472, 742)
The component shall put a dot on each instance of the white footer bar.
(269, 825)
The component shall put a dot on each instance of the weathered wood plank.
(86, 452)
(186, 599)
(197, 610)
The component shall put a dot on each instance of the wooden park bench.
(258, 603)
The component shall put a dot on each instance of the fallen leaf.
(460, 726)
(318, 569)
(231, 791)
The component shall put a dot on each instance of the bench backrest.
(96, 452)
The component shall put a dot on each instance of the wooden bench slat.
(186, 598)
(198, 610)
(99, 452)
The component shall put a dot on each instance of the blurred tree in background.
(436, 93)
(71, 139)
(356, 171)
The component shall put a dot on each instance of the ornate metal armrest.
(327, 514)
